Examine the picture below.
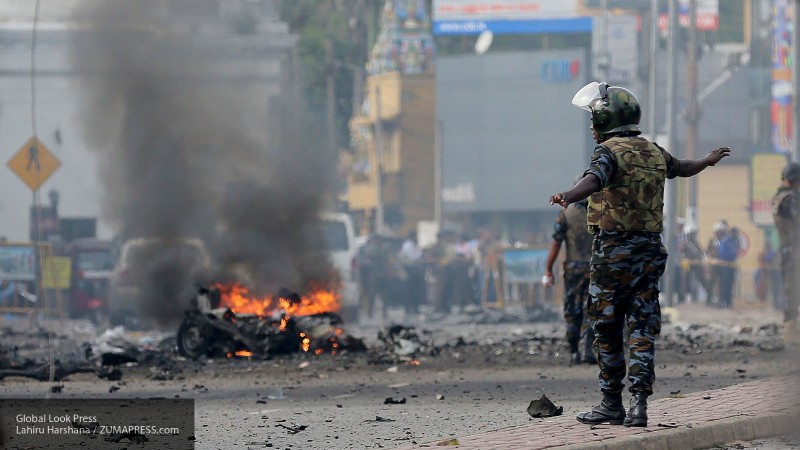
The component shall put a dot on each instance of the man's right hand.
(559, 199)
(547, 279)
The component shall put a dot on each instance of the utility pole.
(651, 76)
(437, 175)
(379, 221)
(330, 90)
(670, 197)
(693, 111)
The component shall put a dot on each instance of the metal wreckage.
(226, 321)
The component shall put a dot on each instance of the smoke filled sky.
(187, 147)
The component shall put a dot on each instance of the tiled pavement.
(699, 420)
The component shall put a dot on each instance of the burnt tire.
(192, 341)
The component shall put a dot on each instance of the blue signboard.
(17, 262)
(477, 26)
(524, 265)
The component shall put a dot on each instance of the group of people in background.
(397, 272)
(708, 274)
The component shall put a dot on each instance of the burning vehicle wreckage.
(226, 321)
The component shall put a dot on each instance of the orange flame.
(238, 298)
(306, 342)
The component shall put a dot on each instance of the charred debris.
(209, 330)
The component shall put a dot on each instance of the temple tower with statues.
(391, 183)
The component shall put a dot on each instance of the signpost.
(33, 163)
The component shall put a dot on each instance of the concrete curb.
(685, 437)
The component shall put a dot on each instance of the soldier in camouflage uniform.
(626, 182)
(570, 228)
(786, 212)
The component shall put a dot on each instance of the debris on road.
(379, 419)
(293, 429)
(401, 340)
(42, 373)
(544, 408)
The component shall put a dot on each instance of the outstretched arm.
(555, 246)
(691, 167)
(582, 189)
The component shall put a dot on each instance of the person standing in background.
(727, 254)
(410, 257)
(692, 263)
(786, 212)
(570, 229)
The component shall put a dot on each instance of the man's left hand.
(714, 156)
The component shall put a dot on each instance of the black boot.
(575, 358)
(610, 411)
(637, 414)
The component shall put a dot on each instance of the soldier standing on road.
(626, 182)
(786, 211)
(570, 228)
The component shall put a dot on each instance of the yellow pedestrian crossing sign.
(33, 163)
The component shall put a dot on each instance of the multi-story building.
(391, 185)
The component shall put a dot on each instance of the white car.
(339, 234)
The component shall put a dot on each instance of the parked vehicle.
(157, 271)
(92, 263)
(339, 234)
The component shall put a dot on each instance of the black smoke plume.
(197, 139)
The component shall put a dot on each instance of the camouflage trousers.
(623, 290)
(576, 303)
(791, 283)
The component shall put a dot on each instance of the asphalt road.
(483, 381)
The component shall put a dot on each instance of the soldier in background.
(786, 211)
(570, 228)
(626, 182)
(443, 255)
(368, 262)
(692, 263)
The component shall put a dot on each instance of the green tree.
(347, 26)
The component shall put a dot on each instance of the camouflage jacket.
(570, 228)
(631, 171)
(786, 212)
